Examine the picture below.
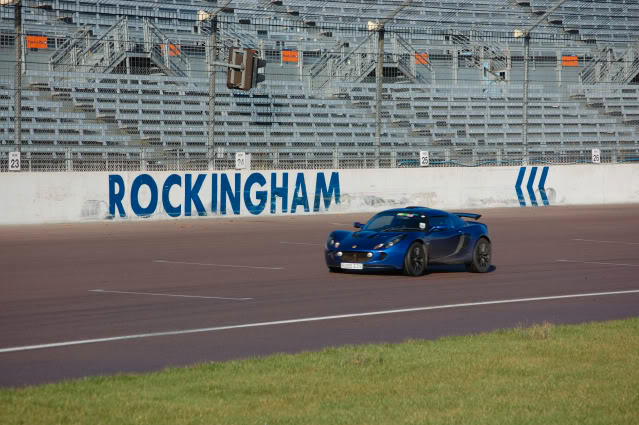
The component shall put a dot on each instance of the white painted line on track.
(599, 262)
(593, 240)
(310, 319)
(167, 295)
(217, 265)
(301, 243)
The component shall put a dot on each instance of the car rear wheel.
(416, 260)
(482, 255)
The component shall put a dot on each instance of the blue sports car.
(410, 239)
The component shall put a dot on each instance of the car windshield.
(396, 221)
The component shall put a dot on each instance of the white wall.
(74, 197)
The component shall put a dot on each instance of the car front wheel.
(482, 256)
(416, 260)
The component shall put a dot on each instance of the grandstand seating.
(593, 19)
(471, 115)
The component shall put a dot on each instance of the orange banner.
(174, 49)
(37, 42)
(421, 58)
(290, 56)
(569, 61)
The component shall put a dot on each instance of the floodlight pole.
(379, 74)
(210, 151)
(18, 76)
(525, 33)
(524, 124)
(212, 17)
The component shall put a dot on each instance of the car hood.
(366, 240)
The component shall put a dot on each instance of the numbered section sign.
(424, 159)
(14, 161)
(240, 160)
(596, 156)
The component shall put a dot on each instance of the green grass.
(544, 374)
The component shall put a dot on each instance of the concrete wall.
(74, 197)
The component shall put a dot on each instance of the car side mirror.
(357, 225)
(438, 228)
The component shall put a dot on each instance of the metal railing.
(304, 159)
(66, 57)
(165, 52)
(406, 57)
(604, 67)
(629, 65)
(477, 50)
(333, 66)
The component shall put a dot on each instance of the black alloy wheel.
(416, 260)
(482, 256)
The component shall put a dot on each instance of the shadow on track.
(432, 269)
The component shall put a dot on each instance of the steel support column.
(18, 77)
(524, 112)
(379, 75)
(210, 151)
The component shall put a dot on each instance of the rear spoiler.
(468, 215)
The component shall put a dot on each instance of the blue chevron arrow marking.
(542, 186)
(530, 186)
(531, 191)
(520, 194)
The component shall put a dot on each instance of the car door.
(444, 242)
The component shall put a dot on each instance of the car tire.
(334, 270)
(416, 260)
(482, 256)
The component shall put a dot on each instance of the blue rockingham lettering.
(228, 194)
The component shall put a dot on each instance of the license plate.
(352, 266)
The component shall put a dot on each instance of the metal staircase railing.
(629, 66)
(109, 50)
(358, 64)
(79, 53)
(406, 57)
(358, 69)
(479, 50)
(66, 56)
(165, 53)
(352, 67)
(605, 68)
(105, 52)
(598, 67)
(322, 63)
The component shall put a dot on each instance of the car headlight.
(391, 242)
(330, 243)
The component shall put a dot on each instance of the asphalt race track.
(101, 298)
